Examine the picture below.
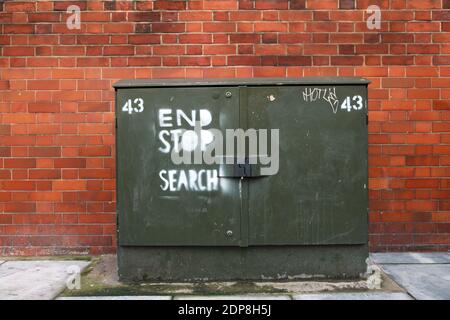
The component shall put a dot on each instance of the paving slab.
(235, 297)
(117, 298)
(35, 280)
(2, 262)
(411, 258)
(354, 296)
(422, 281)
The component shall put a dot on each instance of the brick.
(20, 6)
(423, 93)
(19, 207)
(70, 163)
(18, 51)
(143, 28)
(220, 4)
(441, 60)
(69, 185)
(297, 4)
(245, 38)
(243, 61)
(426, 4)
(270, 27)
(195, 61)
(196, 16)
(347, 60)
(95, 196)
(18, 185)
(219, 49)
(45, 151)
(347, 4)
(423, 26)
(144, 16)
(18, 29)
(441, 104)
(195, 38)
(169, 5)
(294, 38)
(19, 163)
(95, 151)
(43, 107)
(398, 60)
(148, 61)
(43, 84)
(118, 50)
(294, 61)
(5, 129)
(219, 27)
(92, 39)
(321, 27)
(41, 17)
(62, 5)
(45, 174)
(271, 4)
(397, 38)
(168, 27)
(5, 152)
(93, 106)
(144, 39)
(95, 174)
(422, 161)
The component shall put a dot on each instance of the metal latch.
(243, 169)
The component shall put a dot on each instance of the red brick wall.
(56, 102)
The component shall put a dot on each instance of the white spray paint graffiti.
(74, 20)
(204, 145)
(174, 138)
(374, 19)
(189, 180)
(186, 139)
(326, 94)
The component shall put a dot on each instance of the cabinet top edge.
(144, 83)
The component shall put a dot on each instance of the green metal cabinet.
(149, 215)
(205, 221)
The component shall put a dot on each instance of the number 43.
(347, 104)
(128, 106)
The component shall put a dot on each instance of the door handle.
(239, 170)
(243, 170)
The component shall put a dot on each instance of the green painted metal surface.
(307, 81)
(150, 215)
(234, 263)
(319, 195)
(317, 199)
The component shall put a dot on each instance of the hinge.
(367, 119)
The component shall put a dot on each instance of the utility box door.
(319, 195)
(160, 203)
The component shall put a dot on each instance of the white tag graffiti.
(326, 94)
(74, 20)
(374, 20)
(74, 280)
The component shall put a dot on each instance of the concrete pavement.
(424, 276)
(36, 280)
(312, 296)
(354, 296)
